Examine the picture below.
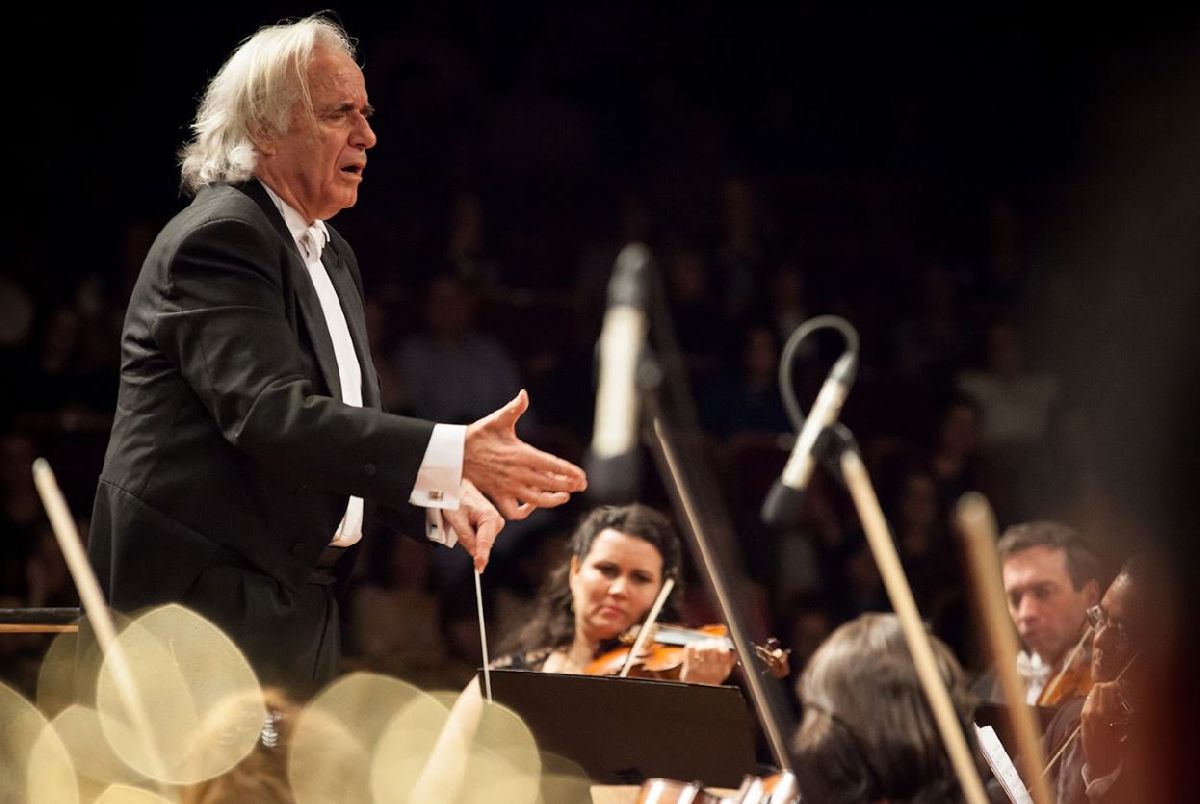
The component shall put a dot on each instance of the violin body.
(662, 656)
(1072, 682)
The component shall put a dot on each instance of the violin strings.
(648, 626)
(487, 673)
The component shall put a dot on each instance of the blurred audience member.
(928, 338)
(451, 372)
(746, 399)
(467, 248)
(1016, 400)
(394, 619)
(741, 254)
(698, 319)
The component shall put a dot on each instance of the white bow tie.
(312, 242)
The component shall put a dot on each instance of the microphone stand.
(674, 440)
(705, 542)
(837, 448)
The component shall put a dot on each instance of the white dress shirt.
(439, 478)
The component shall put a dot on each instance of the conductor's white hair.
(254, 92)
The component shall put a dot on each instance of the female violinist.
(620, 557)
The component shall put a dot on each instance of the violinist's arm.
(707, 662)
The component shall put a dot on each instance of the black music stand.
(627, 730)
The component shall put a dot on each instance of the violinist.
(1051, 579)
(620, 557)
(1096, 747)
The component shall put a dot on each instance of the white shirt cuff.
(439, 478)
(1098, 787)
(436, 529)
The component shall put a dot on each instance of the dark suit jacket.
(229, 430)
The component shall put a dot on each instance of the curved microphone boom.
(781, 508)
(613, 462)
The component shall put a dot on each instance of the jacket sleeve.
(224, 322)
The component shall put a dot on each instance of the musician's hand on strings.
(517, 476)
(707, 662)
(1102, 725)
(476, 522)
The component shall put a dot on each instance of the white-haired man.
(248, 429)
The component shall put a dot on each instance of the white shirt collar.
(295, 222)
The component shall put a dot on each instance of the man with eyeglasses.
(1092, 746)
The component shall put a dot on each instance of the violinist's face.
(1047, 609)
(615, 584)
(1111, 648)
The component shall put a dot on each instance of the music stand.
(627, 730)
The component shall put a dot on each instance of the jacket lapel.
(306, 295)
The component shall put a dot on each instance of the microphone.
(782, 505)
(613, 464)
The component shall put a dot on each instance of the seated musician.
(868, 734)
(620, 557)
(1098, 747)
(1051, 578)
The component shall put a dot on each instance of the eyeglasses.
(1099, 618)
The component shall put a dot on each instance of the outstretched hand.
(517, 476)
(476, 522)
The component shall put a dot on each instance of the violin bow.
(648, 626)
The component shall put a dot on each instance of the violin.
(1074, 679)
(661, 657)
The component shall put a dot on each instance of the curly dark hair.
(553, 621)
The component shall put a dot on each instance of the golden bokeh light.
(35, 767)
(127, 794)
(202, 702)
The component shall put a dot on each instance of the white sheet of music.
(1002, 765)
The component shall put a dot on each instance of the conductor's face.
(318, 164)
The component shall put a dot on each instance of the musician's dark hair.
(1082, 564)
(553, 622)
(868, 733)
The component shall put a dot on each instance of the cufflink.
(437, 496)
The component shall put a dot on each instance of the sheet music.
(1002, 765)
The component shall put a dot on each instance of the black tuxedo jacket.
(230, 434)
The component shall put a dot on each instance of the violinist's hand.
(476, 522)
(1102, 726)
(707, 662)
(517, 476)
